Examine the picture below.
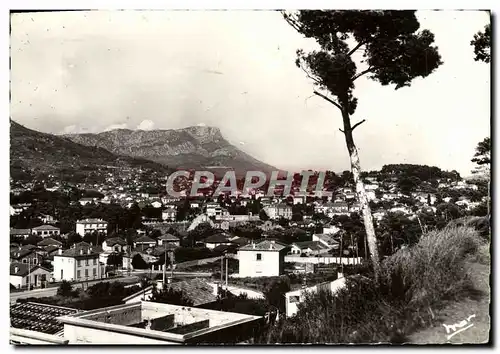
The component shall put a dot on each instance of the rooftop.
(150, 322)
(266, 245)
(38, 317)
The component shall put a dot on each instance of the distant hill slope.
(197, 147)
(32, 151)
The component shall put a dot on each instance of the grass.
(414, 284)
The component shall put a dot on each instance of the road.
(134, 276)
(53, 291)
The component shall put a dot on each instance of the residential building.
(263, 259)
(293, 298)
(23, 275)
(27, 254)
(308, 248)
(115, 244)
(49, 242)
(330, 229)
(144, 242)
(77, 264)
(169, 214)
(216, 240)
(156, 204)
(85, 201)
(90, 225)
(168, 239)
(35, 323)
(355, 208)
(148, 322)
(299, 199)
(46, 231)
(278, 211)
(47, 219)
(18, 233)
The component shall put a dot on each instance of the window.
(94, 272)
(77, 274)
(86, 273)
(79, 263)
(294, 299)
(95, 261)
(259, 256)
(87, 262)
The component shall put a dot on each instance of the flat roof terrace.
(156, 323)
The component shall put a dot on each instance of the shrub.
(412, 282)
(65, 289)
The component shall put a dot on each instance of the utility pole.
(29, 273)
(226, 270)
(164, 267)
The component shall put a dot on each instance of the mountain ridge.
(32, 151)
(190, 147)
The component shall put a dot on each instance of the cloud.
(146, 125)
(201, 125)
(116, 126)
(74, 129)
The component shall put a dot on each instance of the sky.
(75, 72)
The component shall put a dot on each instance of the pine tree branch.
(355, 48)
(358, 124)
(370, 69)
(328, 99)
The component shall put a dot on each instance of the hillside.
(34, 152)
(197, 147)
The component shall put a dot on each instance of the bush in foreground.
(414, 283)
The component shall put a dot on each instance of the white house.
(156, 204)
(169, 214)
(114, 244)
(293, 298)
(46, 231)
(89, 225)
(85, 201)
(299, 199)
(355, 207)
(216, 240)
(144, 242)
(22, 274)
(77, 264)
(263, 259)
(330, 229)
(168, 239)
(277, 211)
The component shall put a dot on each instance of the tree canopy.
(482, 45)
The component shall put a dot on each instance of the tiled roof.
(91, 221)
(144, 239)
(23, 269)
(115, 241)
(20, 231)
(313, 245)
(217, 238)
(82, 249)
(38, 317)
(45, 227)
(266, 245)
(198, 290)
(19, 253)
(49, 242)
(168, 237)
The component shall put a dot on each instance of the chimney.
(59, 252)
(89, 251)
(253, 245)
(16, 269)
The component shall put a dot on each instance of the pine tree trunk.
(360, 191)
